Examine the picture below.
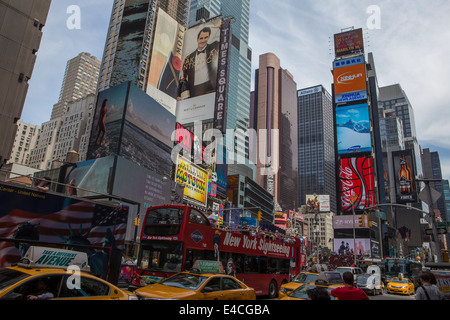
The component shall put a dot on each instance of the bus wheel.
(273, 292)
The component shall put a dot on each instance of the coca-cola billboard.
(356, 183)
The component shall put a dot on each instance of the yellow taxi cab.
(206, 281)
(55, 274)
(327, 279)
(400, 285)
(300, 279)
(301, 293)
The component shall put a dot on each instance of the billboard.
(221, 108)
(198, 76)
(130, 42)
(353, 129)
(194, 179)
(348, 43)
(320, 203)
(356, 183)
(362, 246)
(107, 124)
(350, 80)
(165, 61)
(404, 176)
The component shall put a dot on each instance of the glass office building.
(316, 152)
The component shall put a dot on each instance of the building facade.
(24, 142)
(320, 230)
(21, 26)
(316, 153)
(69, 132)
(275, 108)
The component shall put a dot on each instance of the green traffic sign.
(443, 224)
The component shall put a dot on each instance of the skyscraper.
(395, 101)
(80, 80)
(21, 25)
(276, 111)
(431, 165)
(316, 154)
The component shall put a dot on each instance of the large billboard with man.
(198, 75)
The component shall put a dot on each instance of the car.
(400, 285)
(301, 292)
(301, 278)
(198, 285)
(33, 279)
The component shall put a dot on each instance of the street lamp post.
(353, 199)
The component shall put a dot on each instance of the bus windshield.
(394, 267)
(162, 256)
(163, 221)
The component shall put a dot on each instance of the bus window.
(163, 222)
(162, 256)
(198, 218)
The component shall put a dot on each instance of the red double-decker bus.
(173, 237)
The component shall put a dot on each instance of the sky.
(409, 41)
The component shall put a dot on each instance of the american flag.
(75, 221)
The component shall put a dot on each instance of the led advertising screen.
(348, 43)
(147, 132)
(165, 62)
(108, 119)
(363, 246)
(198, 76)
(136, 183)
(353, 129)
(129, 42)
(404, 176)
(356, 183)
(350, 80)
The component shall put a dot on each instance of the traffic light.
(362, 221)
(137, 222)
(259, 216)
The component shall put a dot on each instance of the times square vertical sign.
(221, 108)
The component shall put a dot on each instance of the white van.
(371, 282)
(354, 270)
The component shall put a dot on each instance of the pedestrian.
(427, 290)
(349, 292)
(318, 293)
(44, 185)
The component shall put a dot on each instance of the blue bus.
(408, 268)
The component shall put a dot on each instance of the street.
(389, 296)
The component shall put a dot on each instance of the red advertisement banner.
(357, 183)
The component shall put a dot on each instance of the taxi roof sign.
(207, 266)
(44, 257)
